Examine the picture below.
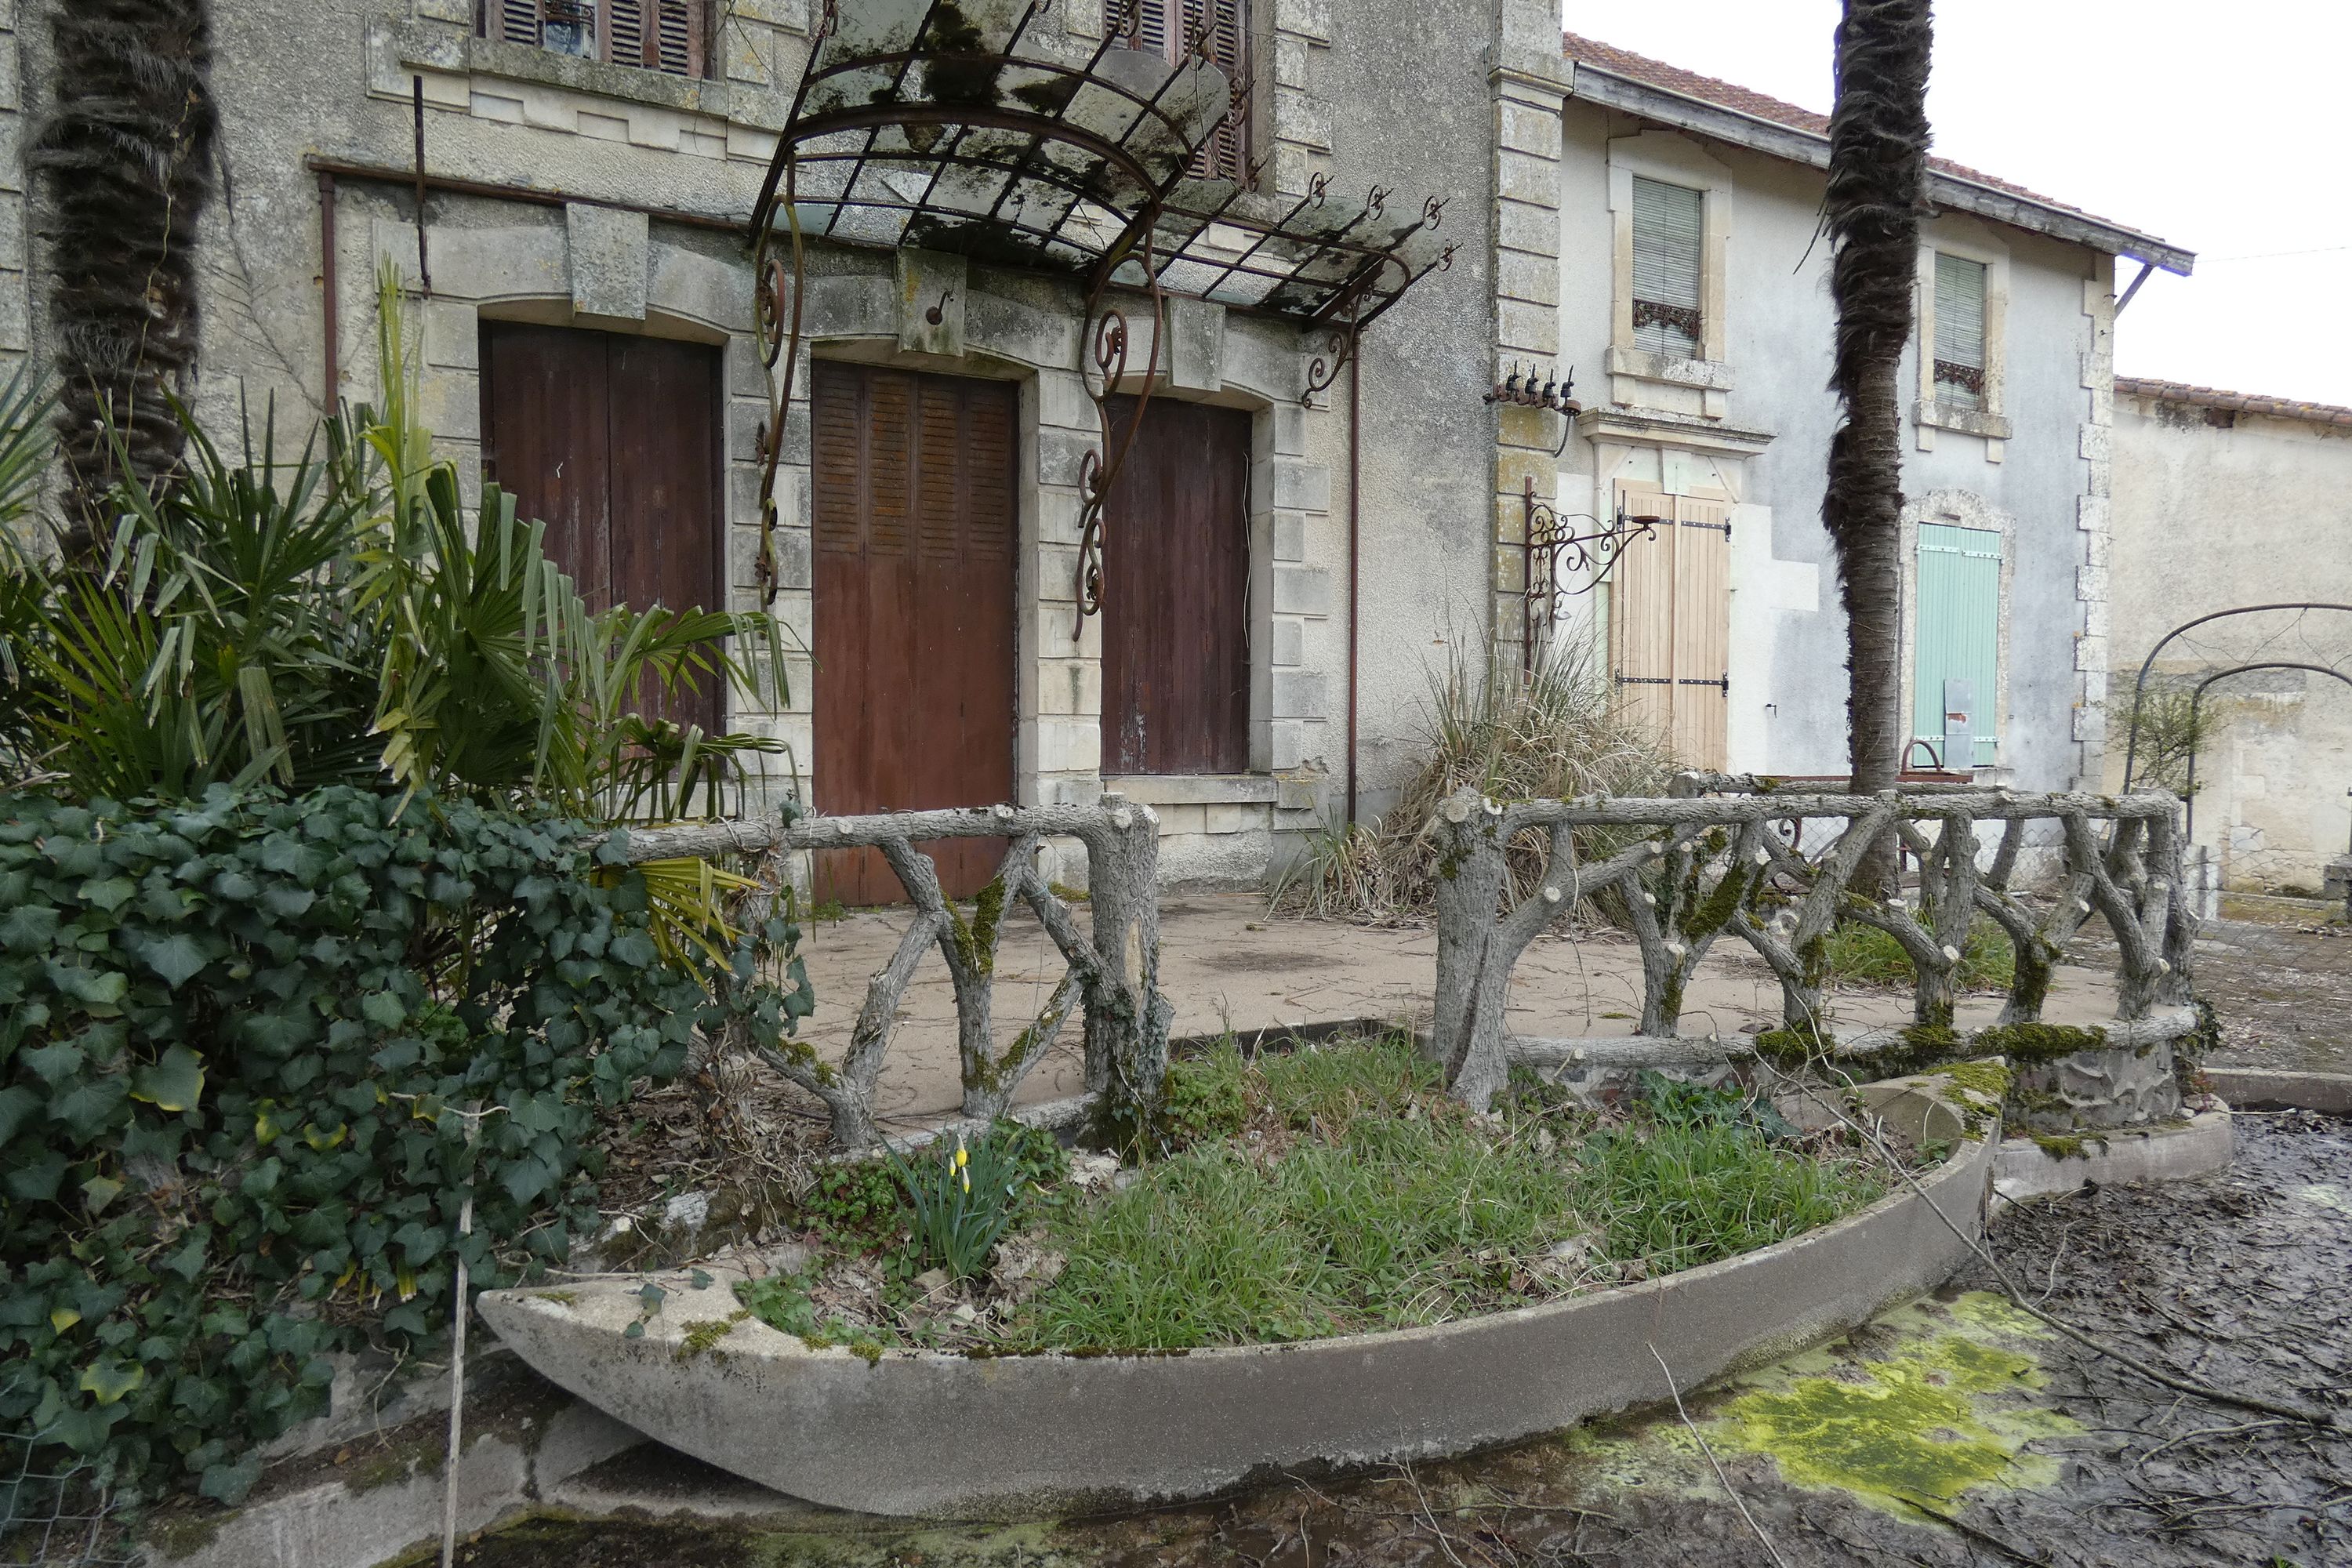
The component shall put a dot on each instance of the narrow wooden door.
(614, 442)
(915, 525)
(1176, 665)
(1958, 635)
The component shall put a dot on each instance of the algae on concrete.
(1946, 1412)
(1932, 1403)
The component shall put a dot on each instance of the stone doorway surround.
(614, 271)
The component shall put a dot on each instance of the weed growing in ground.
(1865, 955)
(854, 1207)
(1330, 1190)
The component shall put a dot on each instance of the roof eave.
(1598, 84)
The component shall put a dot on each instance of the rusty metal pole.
(1355, 537)
(327, 291)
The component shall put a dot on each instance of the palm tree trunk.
(124, 158)
(1878, 159)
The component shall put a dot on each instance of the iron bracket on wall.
(1550, 549)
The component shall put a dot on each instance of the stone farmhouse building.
(2223, 501)
(1310, 516)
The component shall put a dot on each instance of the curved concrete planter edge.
(929, 1434)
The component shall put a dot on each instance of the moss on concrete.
(703, 1335)
(2032, 1044)
(1990, 1078)
(2067, 1145)
(1937, 1418)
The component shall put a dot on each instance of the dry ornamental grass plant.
(1554, 733)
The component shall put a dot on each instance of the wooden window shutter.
(1225, 23)
(1702, 631)
(1667, 231)
(1642, 615)
(679, 39)
(511, 21)
(1670, 624)
(1173, 29)
(1959, 329)
(624, 32)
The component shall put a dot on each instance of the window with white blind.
(1668, 229)
(668, 36)
(1960, 331)
(1218, 29)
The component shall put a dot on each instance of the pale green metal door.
(1959, 632)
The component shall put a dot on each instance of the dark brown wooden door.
(1176, 667)
(916, 522)
(614, 442)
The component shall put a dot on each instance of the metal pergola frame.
(954, 125)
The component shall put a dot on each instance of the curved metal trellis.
(2195, 707)
(961, 125)
(2147, 666)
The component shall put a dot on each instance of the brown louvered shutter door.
(1226, 156)
(678, 40)
(1176, 656)
(914, 515)
(624, 32)
(511, 21)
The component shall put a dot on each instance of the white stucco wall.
(2217, 510)
(1757, 423)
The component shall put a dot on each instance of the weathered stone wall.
(1397, 97)
(2213, 510)
(15, 304)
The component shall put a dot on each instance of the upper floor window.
(657, 34)
(1219, 29)
(1960, 331)
(1667, 231)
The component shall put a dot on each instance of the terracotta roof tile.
(1730, 95)
(2233, 401)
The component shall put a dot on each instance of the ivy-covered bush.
(240, 1040)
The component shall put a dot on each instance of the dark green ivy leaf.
(178, 959)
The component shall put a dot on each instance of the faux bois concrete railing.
(1113, 971)
(1775, 867)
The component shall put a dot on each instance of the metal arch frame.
(2139, 686)
(1107, 329)
(2197, 700)
(1549, 539)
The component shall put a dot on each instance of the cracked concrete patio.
(1226, 963)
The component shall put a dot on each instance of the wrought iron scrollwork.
(1552, 551)
(778, 328)
(1111, 340)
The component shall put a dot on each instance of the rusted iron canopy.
(968, 126)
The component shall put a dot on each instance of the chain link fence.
(58, 1512)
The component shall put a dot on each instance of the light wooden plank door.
(1670, 624)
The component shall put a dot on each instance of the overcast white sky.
(2219, 127)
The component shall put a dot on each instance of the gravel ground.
(2282, 987)
(2236, 1281)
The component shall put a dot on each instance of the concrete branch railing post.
(1113, 970)
(1724, 854)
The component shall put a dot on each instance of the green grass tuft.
(1362, 1199)
(1865, 955)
